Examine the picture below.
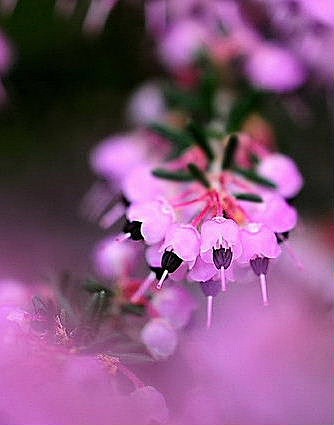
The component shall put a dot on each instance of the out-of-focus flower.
(233, 29)
(262, 69)
(147, 104)
(160, 338)
(283, 172)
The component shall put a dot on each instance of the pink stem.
(143, 288)
(201, 216)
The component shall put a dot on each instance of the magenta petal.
(150, 187)
(160, 338)
(283, 171)
(111, 159)
(272, 67)
(216, 231)
(181, 43)
(174, 304)
(202, 271)
(155, 216)
(258, 240)
(184, 240)
(274, 212)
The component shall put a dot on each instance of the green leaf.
(181, 99)
(180, 138)
(137, 310)
(256, 178)
(178, 176)
(94, 287)
(242, 109)
(251, 197)
(207, 91)
(230, 149)
(201, 139)
(199, 175)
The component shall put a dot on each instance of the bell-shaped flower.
(147, 104)
(111, 159)
(113, 259)
(182, 42)
(258, 240)
(272, 67)
(155, 218)
(274, 212)
(220, 244)
(174, 304)
(160, 338)
(140, 185)
(181, 244)
(282, 171)
(183, 240)
(216, 233)
(259, 245)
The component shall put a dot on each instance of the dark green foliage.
(178, 176)
(199, 175)
(251, 197)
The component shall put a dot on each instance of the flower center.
(222, 257)
(260, 265)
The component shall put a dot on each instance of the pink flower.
(147, 104)
(113, 259)
(258, 240)
(183, 240)
(175, 304)
(140, 176)
(259, 244)
(274, 212)
(218, 233)
(272, 67)
(155, 218)
(202, 271)
(282, 171)
(160, 338)
(111, 159)
(181, 43)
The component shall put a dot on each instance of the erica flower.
(283, 171)
(259, 245)
(220, 243)
(154, 217)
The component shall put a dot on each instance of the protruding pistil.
(260, 268)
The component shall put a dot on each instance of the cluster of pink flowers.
(238, 31)
(208, 217)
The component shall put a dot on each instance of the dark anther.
(158, 272)
(170, 261)
(222, 257)
(282, 237)
(211, 288)
(134, 228)
(260, 265)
